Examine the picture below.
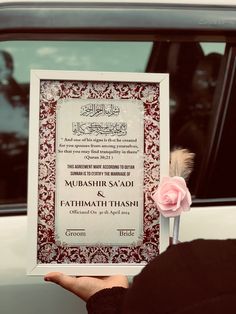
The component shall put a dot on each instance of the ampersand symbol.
(100, 193)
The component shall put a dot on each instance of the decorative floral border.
(49, 251)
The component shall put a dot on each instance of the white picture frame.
(133, 107)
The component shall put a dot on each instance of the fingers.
(83, 287)
(64, 281)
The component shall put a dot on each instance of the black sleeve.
(107, 301)
(188, 278)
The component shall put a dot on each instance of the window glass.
(74, 55)
(16, 60)
(194, 69)
(194, 80)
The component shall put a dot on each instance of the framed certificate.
(98, 144)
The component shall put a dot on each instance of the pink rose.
(172, 196)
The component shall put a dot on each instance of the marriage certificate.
(96, 157)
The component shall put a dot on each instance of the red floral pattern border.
(49, 251)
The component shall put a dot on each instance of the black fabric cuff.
(107, 301)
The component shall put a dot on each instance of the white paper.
(99, 171)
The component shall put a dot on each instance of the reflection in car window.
(13, 133)
(194, 69)
(193, 114)
(16, 60)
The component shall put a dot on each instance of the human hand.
(85, 287)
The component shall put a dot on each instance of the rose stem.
(176, 230)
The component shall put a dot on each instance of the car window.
(194, 69)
